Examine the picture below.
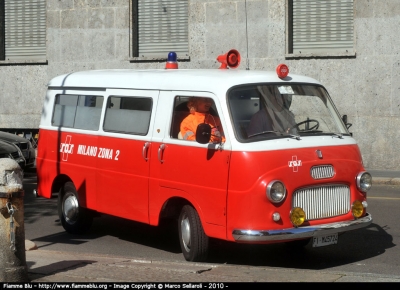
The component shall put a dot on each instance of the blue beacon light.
(171, 61)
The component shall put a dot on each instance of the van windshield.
(270, 111)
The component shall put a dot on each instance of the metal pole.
(12, 233)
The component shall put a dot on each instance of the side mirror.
(203, 133)
(344, 118)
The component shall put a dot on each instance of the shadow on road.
(58, 267)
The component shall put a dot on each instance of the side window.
(191, 111)
(243, 103)
(181, 111)
(128, 115)
(77, 111)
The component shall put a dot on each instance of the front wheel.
(74, 218)
(193, 240)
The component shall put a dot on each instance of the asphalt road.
(370, 250)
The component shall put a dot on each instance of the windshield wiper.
(310, 131)
(277, 132)
(297, 137)
(339, 135)
(261, 133)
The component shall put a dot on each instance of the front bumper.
(301, 232)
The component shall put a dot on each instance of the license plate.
(320, 241)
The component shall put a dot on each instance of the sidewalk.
(51, 266)
(385, 177)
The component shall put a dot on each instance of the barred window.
(23, 30)
(321, 27)
(158, 27)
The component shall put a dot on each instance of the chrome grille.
(322, 171)
(323, 202)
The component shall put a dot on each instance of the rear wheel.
(193, 240)
(74, 218)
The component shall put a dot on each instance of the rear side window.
(128, 115)
(77, 111)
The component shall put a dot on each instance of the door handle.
(160, 151)
(144, 151)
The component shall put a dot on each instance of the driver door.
(187, 169)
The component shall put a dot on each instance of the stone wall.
(95, 34)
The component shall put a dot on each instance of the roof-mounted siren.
(230, 59)
(172, 62)
(282, 70)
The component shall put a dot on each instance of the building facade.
(351, 46)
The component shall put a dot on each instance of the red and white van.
(110, 143)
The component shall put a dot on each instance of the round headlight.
(364, 181)
(276, 191)
(297, 216)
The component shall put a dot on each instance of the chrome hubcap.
(71, 209)
(185, 232)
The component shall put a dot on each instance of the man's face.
(203, 105)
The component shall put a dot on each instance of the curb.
(385, 180)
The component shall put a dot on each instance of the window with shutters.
(320, 28)
(158, 27)
(23, 30)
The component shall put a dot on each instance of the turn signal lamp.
(282, 70)
(230, 59)
(297, 216)
(172, 62)
(357, 209)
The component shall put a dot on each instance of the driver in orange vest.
(199, 113)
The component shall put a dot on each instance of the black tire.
(194, 242)
(74, 218)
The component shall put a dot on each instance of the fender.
(166, 194)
